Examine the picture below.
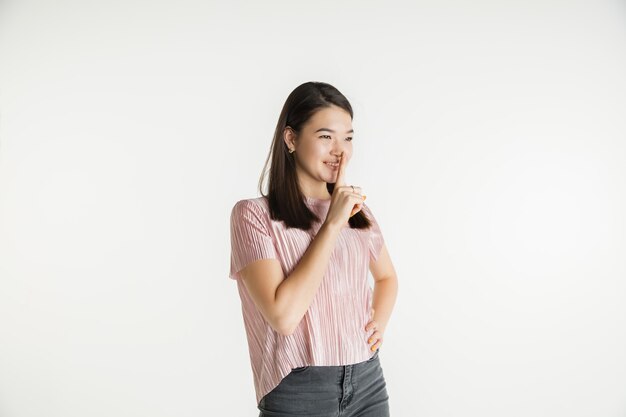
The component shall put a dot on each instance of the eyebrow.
(331, 131)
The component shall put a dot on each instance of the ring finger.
(357, 189)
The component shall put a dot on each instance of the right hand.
(344, 203)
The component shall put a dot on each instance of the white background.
(490, 141)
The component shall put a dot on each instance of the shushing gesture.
(346, 200)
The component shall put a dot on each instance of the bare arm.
(385, 288)
(284, 301)
(385, 292)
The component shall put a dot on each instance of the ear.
(289, 136)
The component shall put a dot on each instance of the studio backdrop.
(490, 140)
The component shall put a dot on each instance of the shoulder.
(257, 206)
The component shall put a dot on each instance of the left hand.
(375, 338)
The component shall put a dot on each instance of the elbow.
(283, 321)
(284, 327)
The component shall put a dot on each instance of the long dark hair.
(286, 201)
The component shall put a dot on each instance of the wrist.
(331, 227)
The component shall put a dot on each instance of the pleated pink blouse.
(332, 332)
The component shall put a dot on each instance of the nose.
(338, 148)
(337, 153)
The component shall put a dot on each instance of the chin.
(329, 180)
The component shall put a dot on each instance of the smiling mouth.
(332, 164)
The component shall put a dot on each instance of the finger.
(356, 209)
(341, 172)
(353, 188)
(356, 192)
(358, 199)
(358, 203)
(371, 325)
(374, 336)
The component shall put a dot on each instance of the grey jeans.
(357, 390)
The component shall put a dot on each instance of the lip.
(332, 167)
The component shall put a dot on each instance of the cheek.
(321, 154)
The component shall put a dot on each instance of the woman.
(300, 255)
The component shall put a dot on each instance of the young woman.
(300, 255)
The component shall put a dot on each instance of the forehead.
(332, 116)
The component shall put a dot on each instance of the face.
(322, 139)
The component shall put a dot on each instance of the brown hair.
(286, 201)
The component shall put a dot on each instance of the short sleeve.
(376, 240)
(250, 239)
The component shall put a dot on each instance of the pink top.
(332, 332)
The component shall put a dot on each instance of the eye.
(325, 136)
(349, 138)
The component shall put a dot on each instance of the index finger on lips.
(341, 171)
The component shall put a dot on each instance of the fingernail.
(364, 197)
